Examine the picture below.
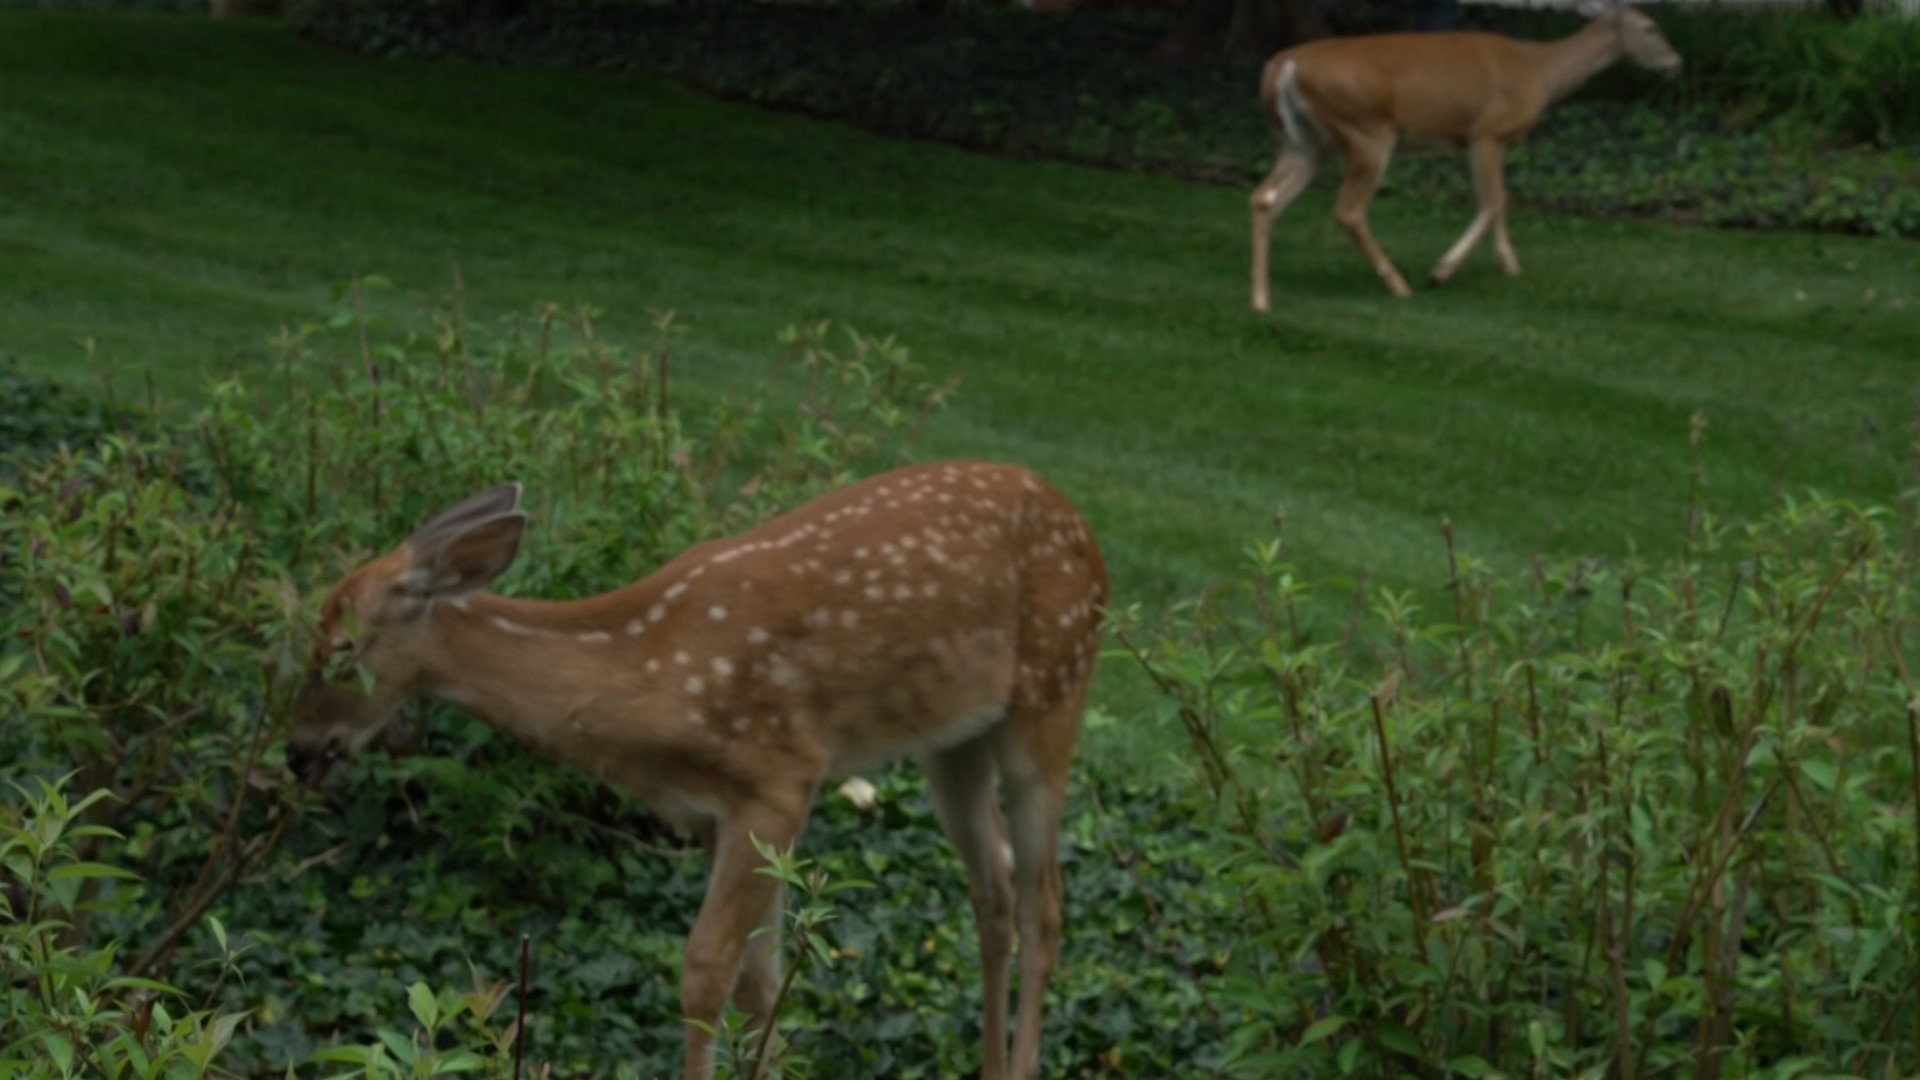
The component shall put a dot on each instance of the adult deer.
(948, 612)
(1360, 95)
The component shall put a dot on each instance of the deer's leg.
(1496, 183)
(1284, 184)
(1033, 770)
(1366, 163)
(961, 783)
(739, 899)
(759, 982)
(1488, 155)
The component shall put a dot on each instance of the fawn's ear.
(1593, 9)
(467, 557)
(491, 503)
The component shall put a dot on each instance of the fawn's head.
(1640, 38)
(374, 625)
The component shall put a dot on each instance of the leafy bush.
(1757, 134)
(63, 1011)
(1599, 821)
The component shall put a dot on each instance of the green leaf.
(90, 870)
(1820, 772)
(425, 1008)
(460, 1061)
(59, 1049)
(1399, 1040)
(1322, 1028)
(132, 982)
(223, 1028)
(401, 1046)
(1864, 961)
(1471, 1065)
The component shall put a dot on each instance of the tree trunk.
(1241, 29)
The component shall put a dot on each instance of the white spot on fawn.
(674, 590)
(716, 613)
(659, 612)
(722, 667)
(695, 684)
(596, 637)
(636, 627)
(757, 635)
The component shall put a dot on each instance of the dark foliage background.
(1784, 119)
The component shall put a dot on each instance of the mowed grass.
(174, 189)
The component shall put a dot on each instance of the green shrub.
(63, 1011)
(1598, 821)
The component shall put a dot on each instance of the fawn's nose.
(308, 757)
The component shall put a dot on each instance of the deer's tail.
(1292, 113)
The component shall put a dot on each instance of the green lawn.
(175, 189)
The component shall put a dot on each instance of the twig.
(1399, 829)
(520, 1022)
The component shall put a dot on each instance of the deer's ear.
(1593, 9)
(493, 502)
(467, 558)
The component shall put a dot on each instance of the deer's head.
(1640, 39)
(374, 625)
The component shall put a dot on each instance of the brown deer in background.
(1360, 95)
(948, 612)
